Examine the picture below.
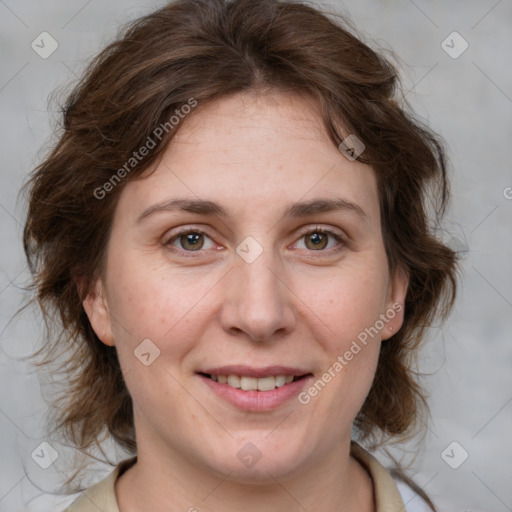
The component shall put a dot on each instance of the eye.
(320, 239)
(191, 240)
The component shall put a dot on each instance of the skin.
(296, 305)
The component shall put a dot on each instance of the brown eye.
(316, 240)
(191, 241)
(321, 241)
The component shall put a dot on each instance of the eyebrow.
(299, 209)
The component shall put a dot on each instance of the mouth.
(249, 383)
(255, 389)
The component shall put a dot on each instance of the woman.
(233, 229)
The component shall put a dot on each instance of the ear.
(96, 308)
(395, 303)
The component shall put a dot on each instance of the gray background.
(467, 99)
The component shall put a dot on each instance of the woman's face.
(255, 245)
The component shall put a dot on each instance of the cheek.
(147, 305)
(345, 307)
(156, 304)
(345, 303)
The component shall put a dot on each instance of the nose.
(258, 303)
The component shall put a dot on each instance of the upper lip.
(249, 371)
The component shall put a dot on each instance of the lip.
(249, 371)
(256, 401)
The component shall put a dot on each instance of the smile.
(255, 389)
(245, 383)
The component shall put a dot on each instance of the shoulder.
(101, 496)
(391, 495)
(412, 502)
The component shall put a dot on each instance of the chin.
(258, 462)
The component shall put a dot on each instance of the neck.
(168, 481)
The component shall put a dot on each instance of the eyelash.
(190, 254)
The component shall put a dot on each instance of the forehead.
(258, 150)
(298, 113)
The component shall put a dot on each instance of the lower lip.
(257, 400)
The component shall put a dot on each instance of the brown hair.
(207, 49)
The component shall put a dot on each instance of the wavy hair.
(208, 49)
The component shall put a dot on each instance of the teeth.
(252, 383)
(249, 383)
(266, 383)
(280, 380)
(234, 381)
